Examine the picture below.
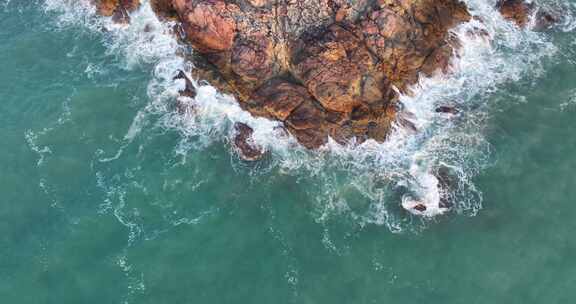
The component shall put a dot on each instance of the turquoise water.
(109, 196)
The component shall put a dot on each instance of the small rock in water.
(479, 33)
(148, 28)
(444, 204)
(522, 11)
(420, 207)
(404, 122)
(518, 11)
(244, 144)
(106, 7)
(447, 182)
(447, 110)
(118, 9)
(121, 15)
(189, 90)
(164, 9)
(426, 208)
(545, 20)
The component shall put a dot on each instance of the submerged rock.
(325, 68)
(447, 110)
(435, 189)
(420, 207)
(545, 20)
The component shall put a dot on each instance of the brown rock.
(130, 5)
(521, 11)
(208, 24)
(189, 90)
(106, 7)
(308, 115)
(447, 110)
(420, 207)
(545, 20)
(118, 9)
(244, 144)
(310, 138)
(439, 59)
(518, 11)
(164, 9)
(279, 98)
(338, 70)
(258, 3)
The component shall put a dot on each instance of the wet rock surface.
(523, 12)
(325, 68)
(243, 143)
(518, 11)
(447, 110)
(119, 9)
(189, 90)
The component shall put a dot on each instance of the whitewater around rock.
(367, 107)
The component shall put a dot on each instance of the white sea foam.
(402, 170)
(570, 103)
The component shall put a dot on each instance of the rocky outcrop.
(116, 7)
(244, 144)
(521, 12)
(189, 90)
(518, 11)
(325, 68)
(164, 9)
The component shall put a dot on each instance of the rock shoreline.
(324, 68)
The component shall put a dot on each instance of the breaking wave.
(436, 163)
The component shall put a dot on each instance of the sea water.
(111, 195)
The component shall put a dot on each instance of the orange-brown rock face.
(338, 70)
(516, 10)
(209, 26)
(412, 36)
(325, 68)
(164, 9)
(112, 7)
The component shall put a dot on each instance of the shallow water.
(109, 196)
